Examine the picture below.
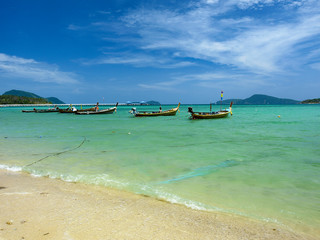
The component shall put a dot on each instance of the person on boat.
(74, 109)
(160, 109)
(97, 107)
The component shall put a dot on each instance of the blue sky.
(169, 50)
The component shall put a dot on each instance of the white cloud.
(16, 67)
(209, 80)
(264, 46)
(155, 87)
(138, 60)
(277, 41)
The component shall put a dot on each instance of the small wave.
(11, 168)
(95, 179)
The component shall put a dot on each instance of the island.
(23, 97)
(259, 99)
(311, 101)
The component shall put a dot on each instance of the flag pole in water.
(221, 99)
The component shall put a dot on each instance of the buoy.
(279, 116)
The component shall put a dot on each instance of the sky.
(169, 51)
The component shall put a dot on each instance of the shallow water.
(253, 163)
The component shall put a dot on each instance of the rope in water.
(56, 154)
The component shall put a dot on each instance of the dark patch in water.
(202, 171)
(313, 163)
(56, 154)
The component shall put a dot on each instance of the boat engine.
(190, 110)
(133, 111)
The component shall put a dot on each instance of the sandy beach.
(44, 208)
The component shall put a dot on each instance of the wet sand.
(44, 208)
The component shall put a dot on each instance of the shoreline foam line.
(93, 212)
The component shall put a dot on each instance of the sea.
(263, 162)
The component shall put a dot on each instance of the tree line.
(10, 99)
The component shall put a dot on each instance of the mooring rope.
(56, 154)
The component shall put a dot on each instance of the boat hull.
(209, 115)
(46, 110)
(106, 111)
(28, 111)
(171, 112)
(81, 110)
(156, 114)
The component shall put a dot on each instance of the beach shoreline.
(45, 208)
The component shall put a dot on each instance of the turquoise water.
(253, 163)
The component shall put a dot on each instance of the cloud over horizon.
(240, 36)
(17, 67)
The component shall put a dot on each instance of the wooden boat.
(103, 111)
(210, 115)
(69, 110)
(28, 111)
(170, 112)
(47, 110)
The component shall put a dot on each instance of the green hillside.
(21, 94)
(54, 100)
(9, 99)
(311, 101)
(24, 98)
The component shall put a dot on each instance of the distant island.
(153, 103)
(259, 99)
(23, 97)
(311, 101)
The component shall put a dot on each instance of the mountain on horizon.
(259, 99)
(54, 100)
(21, 93)
(311, 101)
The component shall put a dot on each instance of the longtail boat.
(103, 111)
(28, 111)
(46, 110)
(70, 110)
(210, 115)
(170, 112)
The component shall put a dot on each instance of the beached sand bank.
(43, 208)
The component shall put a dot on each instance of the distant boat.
(28, 111)
(170, 112)
(210, 115)
(103, 111)
(47, 110)
(42, 110)
(70, 110)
